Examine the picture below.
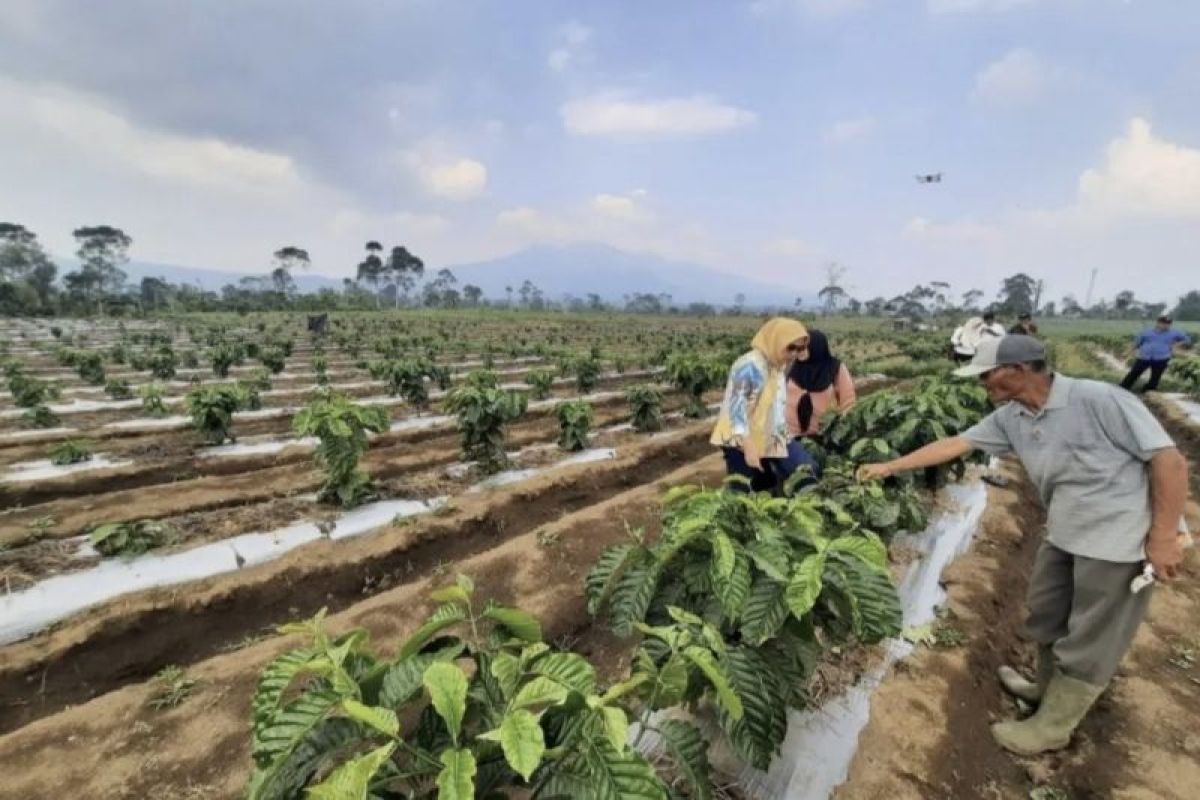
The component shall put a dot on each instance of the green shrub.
(71, 451)
(574, 422)
(211, 409)
(483, 416)
(152, 400)
(498, 713)
(118, 389)
(645, 408)
(540, 382)
(587, 374)
(342, 427)
(131, 538)
(694, 376)
(39, 416)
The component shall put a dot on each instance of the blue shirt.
(1155, 345)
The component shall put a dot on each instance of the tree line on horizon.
(30, 286)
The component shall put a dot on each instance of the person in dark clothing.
(1025, 325)
(1154, 348)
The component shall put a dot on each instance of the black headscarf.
(814, 375)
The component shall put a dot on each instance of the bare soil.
(928, 733)
(137, 635)
(116, 747)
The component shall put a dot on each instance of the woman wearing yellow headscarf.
(752, 427)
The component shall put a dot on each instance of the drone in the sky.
(935, 177)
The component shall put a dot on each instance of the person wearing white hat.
(1114, 487)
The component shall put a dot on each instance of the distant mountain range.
(575, 269)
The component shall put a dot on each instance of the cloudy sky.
(767, 137)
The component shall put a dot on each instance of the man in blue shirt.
(1154, 346)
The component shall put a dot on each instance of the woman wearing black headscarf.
(817, 382)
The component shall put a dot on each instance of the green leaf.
(506, 669)
(731, 591)
(520, 624)
(688, 751)
(571, 670)
(765, 611)
(727, 698)
(616, 725)
(722, 555)
(540, 691)
(450, 594)
(620, 774)
(867, 547)
(624, 687)
(604, 573)
(632, 596)
(805, 585)
(456, 781)
(759, 732)
(447, 687)
(351, 780)
(288, 727)
(672, 682)
(383, 720)
(464, 582)
(444, 617)
(522, 741)
(404, 679)
(772, 558)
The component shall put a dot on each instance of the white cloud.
(457, 180)
(571, 46)
(628, 207)
(972, 6)
(104, 137)
(790, 248)
(848, 130)
(1017, 78)
(617, 114)
(816, 8)
(949, 233)
(1143, 176)
(451, 177)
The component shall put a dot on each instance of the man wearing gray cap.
(1114, 487)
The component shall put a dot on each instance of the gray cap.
(1015, 348)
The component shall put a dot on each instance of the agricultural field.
(457, 554)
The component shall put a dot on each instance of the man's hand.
(874, 472)
(1165, 552)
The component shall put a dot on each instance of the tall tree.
(1018, 294)
(23, 261)
(287, 259)
(1188, 308)
(403, 269)
(832, 292)
(103, 250)
(371, 269)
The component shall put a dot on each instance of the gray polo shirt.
(1087, 452)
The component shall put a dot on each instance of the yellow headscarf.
(767, 426)
(773, 338)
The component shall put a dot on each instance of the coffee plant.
(494, 710)
(574, 423)
(770, 578)
(342, 427)
(694, 375)
(211, 409)
(152, 400)
(72, 451)
(484, 413)
(645, 408)
(540, 382)
(131, 538)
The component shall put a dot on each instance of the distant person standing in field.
(991, 329)
(965, 339)
(1154, 348)
(1025, 325)
(752, 428)
(817, 382)
(1114, 486)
